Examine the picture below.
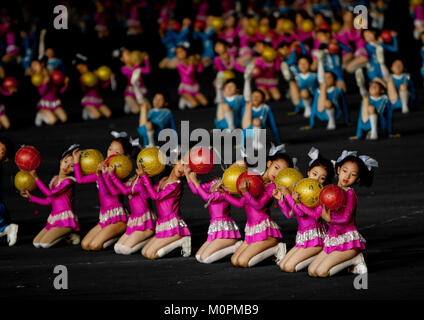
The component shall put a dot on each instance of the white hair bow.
(313, 154)
(82, 57)
(184, 44)
(71, 148)
(345, 154)
(369, 162)
(121, 134)
(276, 149)
(135, 142)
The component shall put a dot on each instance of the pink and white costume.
(49, 96)
(352, 38)
(310, 231)
(60, 196)
(128, 72)
(268, 78)
(188, 82)
(168, 199)
(221, 226)
(111, 210)
(245, 40)
(141, 216)
(92, 96)
(342, 234)
(222, 65)
(229, 36)
(259, 225)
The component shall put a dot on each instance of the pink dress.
(221, 226)
(49, 96)
(111, 210)
(279, 38)
(310, 232)
(245, 40)
(92, 96)
(353, 38)
(342, 234)
(188, 82)
(229, 36)
(141, 217)
(268, 78)
(127, 72)
(259, 225)
(168, 199)
(60, 196)
(222, 65)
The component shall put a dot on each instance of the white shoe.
(73, 238)
(380, 54)
(12, 234)
(220, 76)
(285, 70)
(249, 70)
(127, 108)
(359, 265)
(359, 76)
(331, 125)
(307, 112)
(281, 252)
(186, 246)
(109, 242)
(371, 136)
(39, 119)
(85, 115)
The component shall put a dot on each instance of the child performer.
(206, 36)
(404, 87)
(343, 243)
(112, 216)
(4, 119)
(171, 231)
(310, 234)
(62, 221)
(152, 121)
(223, 232)
(261, 232)
(188, 89)
(6, 229)
(141, 222)
(141, 66)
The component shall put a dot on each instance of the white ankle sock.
(127, 250)
(217, 255)
(305, 263)
(183, 242)
(151, 137)
(110, 242)
(229, 117)
(118, 248)
(331, 119)
(307, 105)
(357, 260)
(404, 97)
(373, 120)
(262, 256)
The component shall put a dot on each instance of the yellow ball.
(37, 79)
(263, 29)
(309, 190)
(217, 23)
(229, 74)
(288, 177)
(230, 176)
(136, 56)
(152, 161)
(307, 25)
(104, 73)
(89, 79)
(287, 26)
(335, 26)
(24, 181)
(415, 3)
(250, 30)
(254, 23)
(269, 54)
(123, 166)
(90, 160)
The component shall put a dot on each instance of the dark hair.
(10, 147)
(260, 91)
(305, 56)
(129, 150)
(281, 156)
(67, 152)
(283, 44)
(233, 80)
(221, 41)
(327, 165)
(163, 94)
(365, 176)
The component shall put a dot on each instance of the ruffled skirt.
(310, 238)
(141, 223)
(192, 89)
(113, 215)
(64, 219)
(223, 228)
(51, 105)
(261, 231)
(171, 225)
(349, 240)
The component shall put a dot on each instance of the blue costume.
(236, 104)
(161, 119)
(172, 39)
(307, 81)
(264, 113)
(336, 96)
(384, 110)
(207, 42)
(373, 67)
(404, 78)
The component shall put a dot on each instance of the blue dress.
(384, 109)
(161, 119)
(236, 104)
(336, 96)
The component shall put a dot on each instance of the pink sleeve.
(285, 208)
(300, 209)
(105, 84)
(5, 92)
(238, 67)
(63, 89)
(218, 64)
(126, 71)
(162, 194)
(205, 195)
(192, 187)
(146, 67)
(63, 186)
(199, 67)
(91, 178)
(258, 204)
(44, 202)
(343, 217)
(118, 184)
(238, 203)
(42, 89)
(112, 189)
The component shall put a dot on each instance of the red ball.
(332, 197)
(163, 25)
(199, 24)
(28, 158)
(257, 71)
(10, 83)
(386, 36)
(333, 48)
(255, 183)
(296, 48)
(57, 77)
(201, 160)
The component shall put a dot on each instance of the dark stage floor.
(390, 216)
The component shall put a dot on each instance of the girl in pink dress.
(112, 216)
(49, 107)
(223, 232)
(261, 232)
(188, 89)
(171, 231)
(343, 243)
(229, 35)
(268, 79)
(310, 234)
(62, 220)
(4, 119)
(246, 36)
(142, 220)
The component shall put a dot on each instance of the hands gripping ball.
(89, 79)
(24, 181)
(332, 197)
(230, 176)
(90, 160)
(201, 160)
(254, 181)
(309, 190)
(288, 178)
(123, 165)
(152, 161)
(28, 158)
(386, 36)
